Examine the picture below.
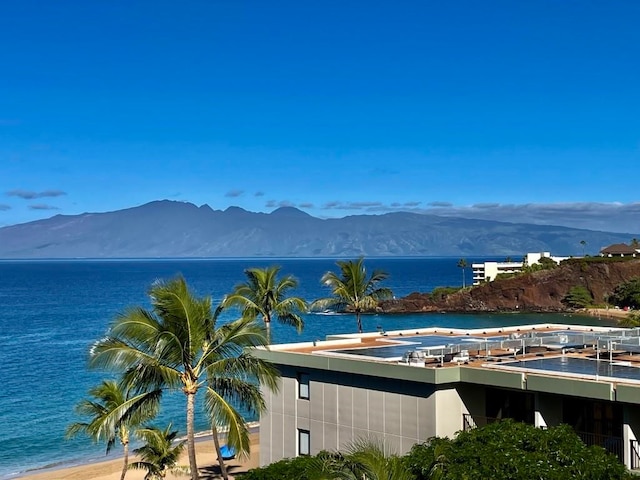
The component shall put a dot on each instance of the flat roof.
(587, 353)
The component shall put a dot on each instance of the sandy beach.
(111, 469)
(607, 312)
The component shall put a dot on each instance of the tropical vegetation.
(578, 297)
(160, 453)
(462, 264)
(266, 296)
(353, 290)
(509, 450)
(113, 412)
(627, 294)
(177, 345)
(504, 450)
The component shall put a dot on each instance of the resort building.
(619, 250)
(488, 271)
(404, 387)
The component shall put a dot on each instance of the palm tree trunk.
(267, 325)
(191, 442)
(216, 441)
(125, 447)
(359, 320)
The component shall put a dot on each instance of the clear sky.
(514, 110)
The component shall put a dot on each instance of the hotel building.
(404, 387)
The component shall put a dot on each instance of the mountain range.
(162, 229)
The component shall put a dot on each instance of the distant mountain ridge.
(167, 228)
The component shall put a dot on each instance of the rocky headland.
(541, 291)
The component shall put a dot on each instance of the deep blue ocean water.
(51, 312)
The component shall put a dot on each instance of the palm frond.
(222, 412)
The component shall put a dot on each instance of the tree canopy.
(509, 450)
(578, 297)
(627, 294)
(353, 290)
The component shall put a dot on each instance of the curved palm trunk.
(216, 441)
(125, 467)
(359, 320)
(191, 443)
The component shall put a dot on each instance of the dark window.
(303, 386)
(304, 442)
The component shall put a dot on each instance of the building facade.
(334, 392)
(488, 271)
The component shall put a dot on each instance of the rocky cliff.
(540, 291)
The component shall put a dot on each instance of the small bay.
(52, 311)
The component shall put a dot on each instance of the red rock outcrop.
(540, 291)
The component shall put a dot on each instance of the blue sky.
(526, 110)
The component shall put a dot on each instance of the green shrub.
(287, 469)
(509, 450)
(627, 294)
(440, 293)
(578, 297)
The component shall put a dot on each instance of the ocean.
(52, 311)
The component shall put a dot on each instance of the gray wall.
(344, 407)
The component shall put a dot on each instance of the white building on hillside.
(488, 271)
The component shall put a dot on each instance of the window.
(303, 386)
(304, 442)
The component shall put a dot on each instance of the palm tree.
(584, 244)
(265, 295)
(352, 289)
(114, 412)
(158, 455)
(176, 345)
(364, 460)
(462, 263)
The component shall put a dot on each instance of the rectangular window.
(304, 442)
(303, 386)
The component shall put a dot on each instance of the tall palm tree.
(352, 290)
(264, 295)
(114, 411)
(584, 244)
(462, 263)
(177, 345)
(159, 455)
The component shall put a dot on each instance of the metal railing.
(613, 445)
(469, 422)
(635, 454)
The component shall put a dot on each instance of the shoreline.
(607, 313)
(111, 469)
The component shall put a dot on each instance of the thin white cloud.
(4, 207)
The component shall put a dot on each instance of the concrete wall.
(345, 407)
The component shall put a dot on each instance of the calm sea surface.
(51, 312)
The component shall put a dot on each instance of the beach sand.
(607, 312)
(111, 469)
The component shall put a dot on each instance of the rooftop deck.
(586, 352)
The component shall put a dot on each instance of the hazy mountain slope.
(178, 229)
